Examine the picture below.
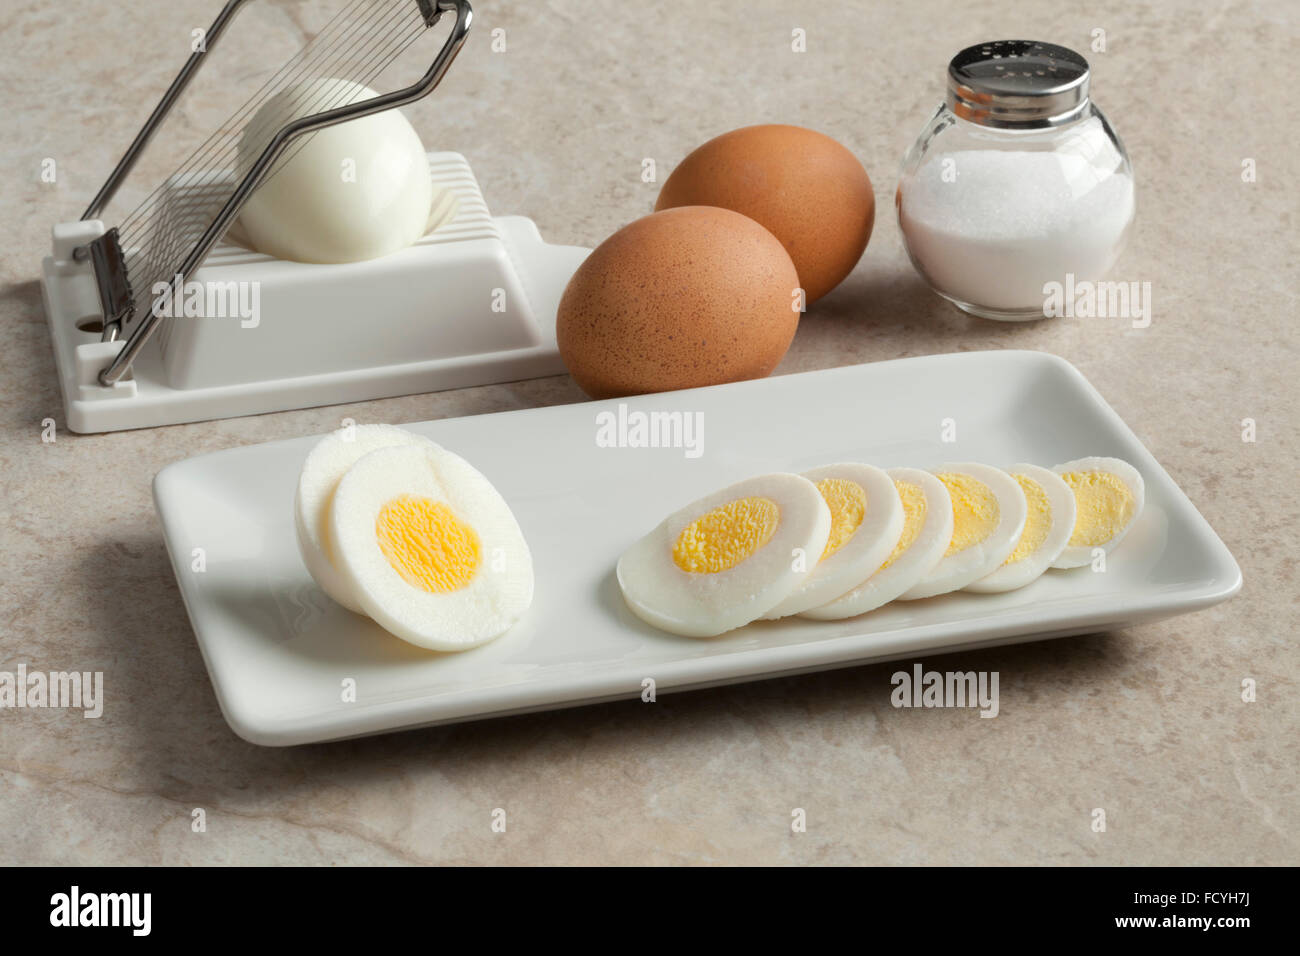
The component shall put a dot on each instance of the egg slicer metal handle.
(163, 241)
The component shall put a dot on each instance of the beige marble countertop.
(1146, 723)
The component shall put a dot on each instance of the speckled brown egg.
(808, 190)
(681, 298)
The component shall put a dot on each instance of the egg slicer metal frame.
(472, 302)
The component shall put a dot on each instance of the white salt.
(1011, 220)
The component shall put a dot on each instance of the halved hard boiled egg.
(1108, 494)
(927, 529)
(430, 548)
(1049, 522)
(325, 465)
(866, 523)
(989, 511)
(727, 559)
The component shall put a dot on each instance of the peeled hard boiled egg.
(866, 522)
(325, 465)
(989, 512)
(430, 548)
(1108, 494)
(927, 529)
(726, 559)
(1049, 522)
(356, 190)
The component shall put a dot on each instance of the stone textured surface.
(1146, 723)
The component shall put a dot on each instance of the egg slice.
(1049, 521)
(989, 512)
(325, 465)
(927, 529)
(1108, 494)
(727, 559)
(430, 548)
(866, 523)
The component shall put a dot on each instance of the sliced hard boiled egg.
(430, 548)
(927, 529)
(1049, 521)
(1108, 494)
(989, 511)
(727, 559)
(325, 465)
(866, 523)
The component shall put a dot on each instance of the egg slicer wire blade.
(162, 241)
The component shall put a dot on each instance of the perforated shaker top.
(1018, 84)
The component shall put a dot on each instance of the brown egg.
(687, 297)
(808, 190)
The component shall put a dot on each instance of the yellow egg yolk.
(726, 535)
(914, 509)
(848, 503)
(975, 511)
(1037, 523)
(1104, 504)
(427, 544)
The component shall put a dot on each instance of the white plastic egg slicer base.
(471, 303)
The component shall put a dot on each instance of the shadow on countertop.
(32, 384)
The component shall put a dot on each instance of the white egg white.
(1060, 499)
(905, 571)
(495, 597)
(957, 570)
(326, 463)
(863, 553)
(1078, 556)
(707, 604)
(306, 209)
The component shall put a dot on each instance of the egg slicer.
(472, 302)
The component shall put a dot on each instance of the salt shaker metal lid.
(1018, 84)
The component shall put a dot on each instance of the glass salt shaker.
(1017, 183)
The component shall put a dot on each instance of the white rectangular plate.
(279, 651)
